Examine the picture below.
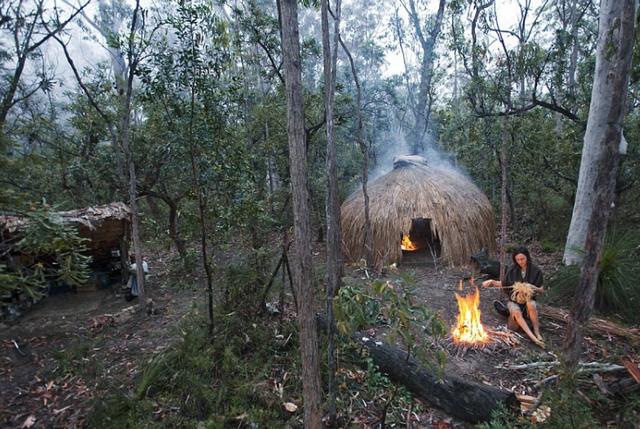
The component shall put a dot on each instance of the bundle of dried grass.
(522, 292)
(461, 215)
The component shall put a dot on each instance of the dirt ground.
(71, 351)
(434, 288)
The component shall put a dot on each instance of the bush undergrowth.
(617, 291)
(218, 382)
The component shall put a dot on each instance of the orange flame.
(469, 328)
(407, 244)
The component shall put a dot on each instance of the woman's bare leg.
(532, 309)
(516, 315)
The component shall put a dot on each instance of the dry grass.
(461, 215)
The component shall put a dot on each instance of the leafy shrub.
(361, 304)
(617, 290)
(548, 246)
(211, 380)
(568, 410)
(54, 251)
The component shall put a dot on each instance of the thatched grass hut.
(458, 217)
(105, 227)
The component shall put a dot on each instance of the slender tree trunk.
(503, 196)
(198, 187)
(427, 44)
(172, 205)
(334, 241)
(202, 212)
(174, 232)
(155, 210)
(600, 160)
(125, 129)
(7, 99)
(364, 148)
(302, 263)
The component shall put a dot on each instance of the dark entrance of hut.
(421, 246)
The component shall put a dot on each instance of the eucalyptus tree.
(334, 240)
(302, 266)
(26, 25)
(193, 95)
(600, 159)
(426, 32)
(127, 49)
(510, 77)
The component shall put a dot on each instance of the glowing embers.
(469, 329)
(407, 244)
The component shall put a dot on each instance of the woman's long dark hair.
(518, 250)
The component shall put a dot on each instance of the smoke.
(395, 144)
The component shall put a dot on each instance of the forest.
(317, 213)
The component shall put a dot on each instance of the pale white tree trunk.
(600, 160)
(607, 97)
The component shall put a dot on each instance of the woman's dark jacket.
(514, 275)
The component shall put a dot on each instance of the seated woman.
(522, 271)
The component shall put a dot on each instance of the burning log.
(466, 400)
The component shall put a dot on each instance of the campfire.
(469, 329)
(470, 334)
(407, 244)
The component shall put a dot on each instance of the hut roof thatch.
(105, 227)
(89, 217)
(461, 215)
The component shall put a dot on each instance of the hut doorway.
(421, 244)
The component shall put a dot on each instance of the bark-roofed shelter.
(105, 227)
(436, 206)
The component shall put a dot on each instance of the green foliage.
(46, 250)
(501, 418)
(210, 380)
(617, 290)
(549, 246)
(568, 410)
(361, 304)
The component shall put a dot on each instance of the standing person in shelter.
(522, 271)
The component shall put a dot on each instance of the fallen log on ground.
(602, 326)
(466, 400)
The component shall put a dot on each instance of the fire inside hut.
(420, 242)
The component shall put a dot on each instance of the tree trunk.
(172, 205)
(503, 196)
(600, 160)
(156, 214)
(463, 399)
(125, 129)
(334, 241)
(302, 263)
(606, 113)
(364, 148)
(426, 71)
(174, 233)
(198, 186)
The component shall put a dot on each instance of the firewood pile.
(499, 339)
(611, 379)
